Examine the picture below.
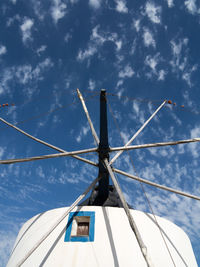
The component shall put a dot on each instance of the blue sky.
(142, 52)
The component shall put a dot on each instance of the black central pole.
(103, 189)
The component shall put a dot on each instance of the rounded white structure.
(101, 236)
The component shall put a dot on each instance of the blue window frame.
(73, 238)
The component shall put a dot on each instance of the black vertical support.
(103, 189)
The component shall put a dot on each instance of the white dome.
(109, 241)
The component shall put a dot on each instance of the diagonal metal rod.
(58, 155)
(58, 222)
(136, 134)
(171, 143)
(131, 221)
(47, 144)
(96, 138)
(155, 184)
(130, 218)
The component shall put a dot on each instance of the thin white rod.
(88, 117)
(156, 185)
(130, 218)
(58, 222)
(172, 143)
(11, 161)
(136, 134)
(47, 144)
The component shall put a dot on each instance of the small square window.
(80, 227)
(83, 229)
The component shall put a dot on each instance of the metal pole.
(172, 143)
(136, 134)
(58, 155)
(130, 218)
(156, 185)
(47, 144)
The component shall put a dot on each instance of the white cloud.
(152, 62)
(194, 147)
(118, 44)
(67, 37)
(3, 50)
(177, 47)
(6, 245)
(148, 38)
(83, 132)
(153, 12)
(126, 72)
(1, 152)
(121, 6)
(10, 21)
(161, 75)
(90, 51)
(191, 6)
(40, 172)
(136, 108)
(58, 10)
(119, 83)
(179, 61)
(97, 39)
(41, 49)
(38, 8)
(91, 85)
(26, 29)
(95, 3)
(138, 114)
(23, 74)
(14, 1)
(5, 79)
(187, 75)
(170, 3)
(136, 24)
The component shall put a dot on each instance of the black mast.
(103, 194)
(103, 189)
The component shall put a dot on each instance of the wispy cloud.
(121, 6)
(153, 12)
(83, 132)
(137, 24)
(25, 75)
(95, 3)
(6, 245)
(170, 3)
(194, 147)
(14, 1)
(67, 37)
(91, 85)
(26, 28)
(192, 7)
(152, 62)
(41, 49)
(3, 50)
(127, 72)
(180, 60)
(90, 51)
(58, 10)
(97, 39)
(148, 38)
